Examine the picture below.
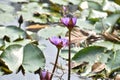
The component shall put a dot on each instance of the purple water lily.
(59, 42)
(44, 75)
(69, 22)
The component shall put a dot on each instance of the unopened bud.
(20, 20)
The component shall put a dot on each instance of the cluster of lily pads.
(95, 38)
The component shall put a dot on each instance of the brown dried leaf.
(117, 77)
(75, 65)
(78, 36)
(111, 37)
(98, 66)
(36, 27)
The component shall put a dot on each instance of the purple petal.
(74, 20)
(59, 42)
(65, 42)
(55, 40)
(43, 73)
(65, 21)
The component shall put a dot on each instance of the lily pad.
(6, 18)
(52, 31)
(85, 24)
(64, 52)
(6, 8)
(107, 44)
(19, 0)
(106, 23)
(30, 57)
(62, 2)
(96, 15)
(111, 6)
(114, 63)
(33, 58)
(89, 54)
(12, 32)
(12, 57)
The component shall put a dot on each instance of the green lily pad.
(89, 54)
(12, 56)
(96, 15)
(62, 2)
(52, 31)
(6, 8)
(114, 63)
(6, 18)
(6, 14)
(64, 52)
(19, 0)
(29, 10)
(75, 2)
(106, 23)
(33, 58)
(94, 5)
(107, 44)
(111, 6)
(30, 57)
(12, 32)
(85, 24)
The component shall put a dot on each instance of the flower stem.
(69, 57)
(56, 60)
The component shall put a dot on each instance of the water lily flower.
(44, 75)
(69, 22)
(59, 42)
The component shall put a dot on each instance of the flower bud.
(44, 75)
(20, 20)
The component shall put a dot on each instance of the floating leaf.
(111, 6)
(30, 57)
(12, 32)
(107, 44)
(85, 24)
(36, 27)
(94, 5)
(87, 53)
(111, 37)
(75, 2)
(62, 2)
(96, 1)
(91, 55)
(28, 11)
(33, 58)
(107, 23)
(6, 8)
(12, 56)
(19, 0)
(2, 43)
(117, 77)
(84, 5)
(52, 31)
(95, 15)
(64, 52)
(98, 66)
(114, 63)
(6, 18)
